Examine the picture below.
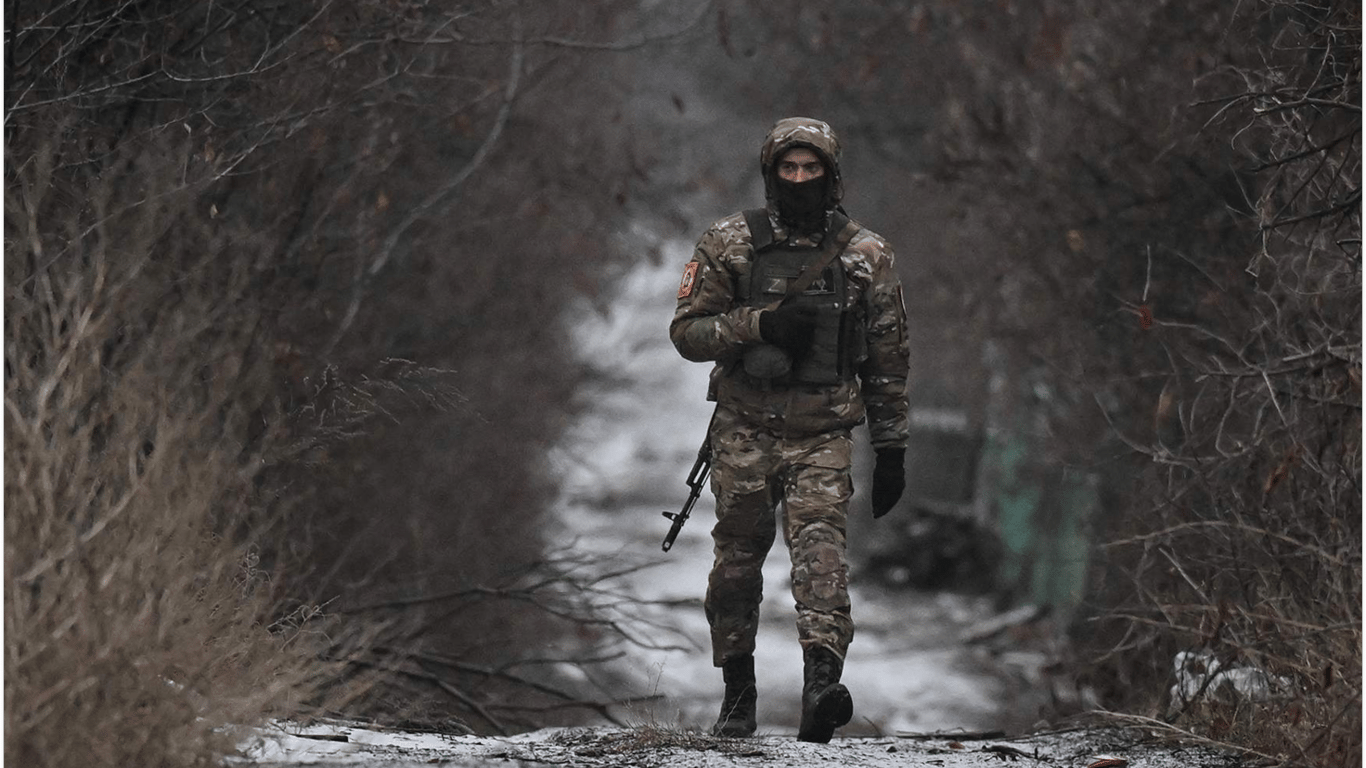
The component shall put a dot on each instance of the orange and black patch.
(689, 281)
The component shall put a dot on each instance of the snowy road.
(907, 669)
(341, 744)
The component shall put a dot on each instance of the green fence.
(1043, 513)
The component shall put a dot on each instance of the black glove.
(789, 328)
(889, 479)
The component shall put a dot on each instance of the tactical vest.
(838, 343)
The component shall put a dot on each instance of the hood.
(802, 132)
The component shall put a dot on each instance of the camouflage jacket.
(712, 324)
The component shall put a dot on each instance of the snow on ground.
(339, 743)
(336, 742)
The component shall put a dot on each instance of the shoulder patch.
(689, 281)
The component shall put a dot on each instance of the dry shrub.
(284, 323)
(137, 617)
(1244, 542)
(1153, 209)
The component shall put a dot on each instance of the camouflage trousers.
(755, 474)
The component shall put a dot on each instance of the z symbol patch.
(689, 282)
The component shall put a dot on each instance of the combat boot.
(826, 704)
(737, 718)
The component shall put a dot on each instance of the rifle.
(696, 478)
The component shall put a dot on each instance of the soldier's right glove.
(889, 479)
(789, 328)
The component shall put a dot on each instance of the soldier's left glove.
(889, 479)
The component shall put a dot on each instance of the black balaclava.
(803, 203)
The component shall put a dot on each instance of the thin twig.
(1149, 278)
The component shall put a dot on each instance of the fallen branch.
(1181, 734)
(446, 687)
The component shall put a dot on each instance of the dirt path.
(339, 743)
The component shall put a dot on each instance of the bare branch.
(436, 198)
(1307, 102)
(1195, 526)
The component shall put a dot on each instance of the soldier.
(802, 312)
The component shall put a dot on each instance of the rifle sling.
(761, 236)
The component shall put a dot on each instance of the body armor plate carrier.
(838, 344)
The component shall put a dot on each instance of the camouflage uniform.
(787, 443)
